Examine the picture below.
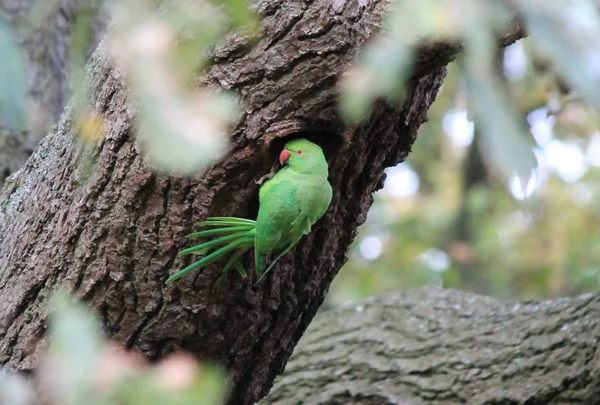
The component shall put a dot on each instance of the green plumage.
(289, 204)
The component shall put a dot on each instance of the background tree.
(466, 227)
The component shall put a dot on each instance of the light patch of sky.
(458, 127)
(382, 214)
(371, 247)
(522, 189)
(515, 61)
(401, 181)
(593, 150)
(541, 125)
(435, 259)
(566, 159)
(592, 65)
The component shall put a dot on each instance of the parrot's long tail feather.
(204, 247)
(234, 235)
(211, 258)
(233, 219)
(218, 231)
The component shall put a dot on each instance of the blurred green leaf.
(14, 389)
(83, 369)
(240, 13)
(569, 32)
(183, 128)
(183, 136)
(75, 341)
(159, 385)
(13, 80)
(78, 52)
(384, 68)
(504, 138)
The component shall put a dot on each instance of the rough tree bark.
(111, 236)
(436, 347)
(47, 50)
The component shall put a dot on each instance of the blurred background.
(445, 218)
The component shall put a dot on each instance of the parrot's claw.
(264, 178)
(220, 280)
(267, 176)
(240, 269)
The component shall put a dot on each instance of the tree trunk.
(47, 50)
(432, 346)
(111, 234)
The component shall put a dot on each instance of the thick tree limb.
(111, 233)
(433, 346)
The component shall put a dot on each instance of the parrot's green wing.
(291, 208)
(279, 208)
(313, 207)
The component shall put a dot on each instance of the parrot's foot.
(239, 268)
(267, 176)
(264, 178)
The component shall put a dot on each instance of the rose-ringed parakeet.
(289, 205)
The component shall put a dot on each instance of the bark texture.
(436, 347)
(47, 49)
(110, 231)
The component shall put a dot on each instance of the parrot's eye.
(299, 152)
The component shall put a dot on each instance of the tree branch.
(434, 346)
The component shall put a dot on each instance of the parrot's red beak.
(284, 156)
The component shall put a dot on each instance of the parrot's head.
(303, 156)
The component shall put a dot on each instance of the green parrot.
(289, 205)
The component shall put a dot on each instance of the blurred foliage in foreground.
(80, 367)
(162, 48)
